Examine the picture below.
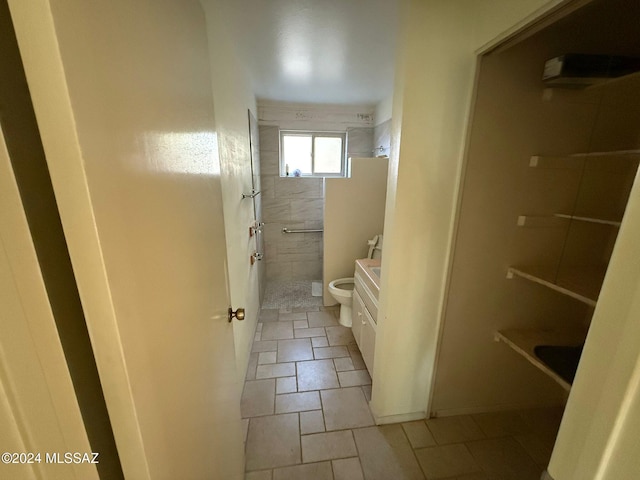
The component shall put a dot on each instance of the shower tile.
(287, 187)
(304, 209)
(269, 139)
(307, 270)
(277, 272)
(276, 210)
(290, 295)
(267, 186)
(360, 141)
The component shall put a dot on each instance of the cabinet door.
(368, 341)
(357, 320)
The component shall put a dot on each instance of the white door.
(39, 413)
(122, 94)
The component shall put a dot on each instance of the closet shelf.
(612, 153)
(575, 161)
(524, 343)
(558, 220)
(588, 219)
(581, 283)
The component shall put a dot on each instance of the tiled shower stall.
(296, 203)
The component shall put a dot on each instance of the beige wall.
(430, 114)
(429, 122)
(233, 98)
(353, 214)
(126, 118)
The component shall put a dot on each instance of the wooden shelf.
(524, 342)
(559, 220)
(612, 153)
(576, 160)
(581, 283)
(588, 219)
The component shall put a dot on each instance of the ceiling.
(316, 51)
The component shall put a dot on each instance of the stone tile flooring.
(306, 413)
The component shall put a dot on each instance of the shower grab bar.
(286, 230)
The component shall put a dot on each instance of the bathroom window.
(312, 154)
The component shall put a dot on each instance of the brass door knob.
(239, 314)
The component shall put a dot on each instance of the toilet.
(342, 288)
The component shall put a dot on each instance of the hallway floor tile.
(306, 406)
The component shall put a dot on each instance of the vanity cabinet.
(365, 309)
(364, 330)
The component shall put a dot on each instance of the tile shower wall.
(382, 138)
(296, 203)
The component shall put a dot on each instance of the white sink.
(376, 270)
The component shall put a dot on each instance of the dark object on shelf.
(562, 360)
(578, 70)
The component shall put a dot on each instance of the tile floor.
(306, 414)
(286, 294)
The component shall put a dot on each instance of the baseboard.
(450, 412)
(403, 417)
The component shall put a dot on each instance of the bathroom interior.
(549, 169)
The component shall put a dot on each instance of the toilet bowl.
(342, 290)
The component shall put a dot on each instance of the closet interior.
(549, 170)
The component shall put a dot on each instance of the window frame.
(314, 134)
